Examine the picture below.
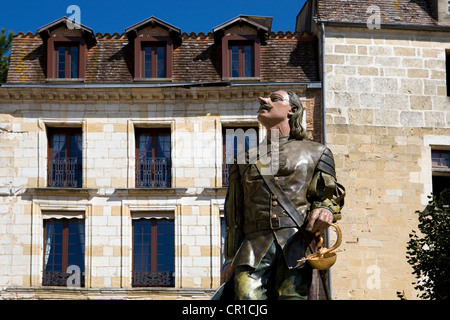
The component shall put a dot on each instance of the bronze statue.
(271, 219)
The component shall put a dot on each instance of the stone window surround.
(45, 208)
(431, 142)
(43, 147)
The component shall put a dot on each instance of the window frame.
(68, 58)
(65, 249)
(241, 58)
(440, 175)
(139, 56)
(52, 56)
(235, 151)
(155, 56)
(153, 220)
(154, 132)
(67, 132)
(230, 40)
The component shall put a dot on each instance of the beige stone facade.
(384, 92)
(108, 199)
(386, 108)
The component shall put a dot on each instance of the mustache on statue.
(265, 107)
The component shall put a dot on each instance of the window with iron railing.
(153, 158)
(153, 253)
(236, 140)
(64, 246)
(65, 157)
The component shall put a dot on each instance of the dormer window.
(241, 39)
(66, 49)
(155, 59)
(68, 60)
(154, 41)
(242, 58)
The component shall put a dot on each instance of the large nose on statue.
(262, 100)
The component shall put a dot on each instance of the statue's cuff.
(329, 205)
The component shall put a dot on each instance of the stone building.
(112, 175)
(117, 142)
(386, 102)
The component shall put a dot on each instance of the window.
(440, 161)
(154, 60)
(67, 60)
(64, 252)
(65, 157)
(242, 59)
(153, 158)
(153, 41)
(447, 70)
(241, 39)
(241, 56)
(153, 253)
(236, 140)
(222, 241)
(66, 49)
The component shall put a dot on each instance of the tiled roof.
(286, 57)
(406, 12)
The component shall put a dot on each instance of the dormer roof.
(260, 24)
(154, 26)
(61, 27)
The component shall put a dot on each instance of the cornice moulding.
(86, 94)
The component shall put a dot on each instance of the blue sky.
(115, 16)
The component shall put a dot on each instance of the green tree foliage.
(5, 46)
(429, 252)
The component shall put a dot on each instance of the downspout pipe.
(324, 130)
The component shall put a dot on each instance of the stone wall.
(386, 106)
(109, 200)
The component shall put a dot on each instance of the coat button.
(274, 203)
(276, 178)
(273, 215)
(274, 197)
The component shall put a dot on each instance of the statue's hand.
(319, 219)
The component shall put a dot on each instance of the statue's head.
(282, 109)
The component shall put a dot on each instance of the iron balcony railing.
(65, 172)
(225, 172)
(153, 279)
(153, 172)
(60, 278)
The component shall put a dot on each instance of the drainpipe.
(324, 130)
(324, 134)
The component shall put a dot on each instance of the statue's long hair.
(295, 121)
